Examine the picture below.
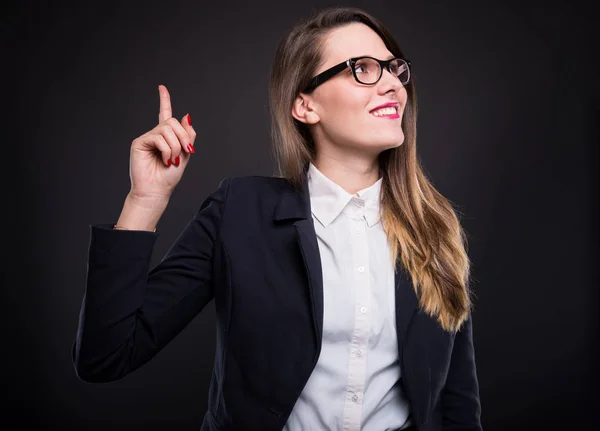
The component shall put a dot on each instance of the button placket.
(360, 336)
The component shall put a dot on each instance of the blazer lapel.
(307, 239)
(406, 303)
(413, 347)
(295, 205)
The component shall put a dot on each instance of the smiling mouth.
(387, 112)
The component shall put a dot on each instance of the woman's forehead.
(353, 40)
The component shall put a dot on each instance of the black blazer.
(252, 247)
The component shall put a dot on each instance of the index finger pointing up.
(165, 104)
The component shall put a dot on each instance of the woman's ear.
(302, 110)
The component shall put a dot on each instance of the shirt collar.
(328, 199)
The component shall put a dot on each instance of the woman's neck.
(352, 175)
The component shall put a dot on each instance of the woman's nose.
(389, 81)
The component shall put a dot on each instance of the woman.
(341, 286)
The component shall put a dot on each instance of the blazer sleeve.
(128, 312)
(461, 408)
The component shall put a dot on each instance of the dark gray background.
(508, 130)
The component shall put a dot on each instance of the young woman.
(340, 286)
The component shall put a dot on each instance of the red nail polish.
(189, 118)
(169, 162)
(177, 160)
(191, 148)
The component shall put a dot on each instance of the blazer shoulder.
(260, 196)
(259, 184)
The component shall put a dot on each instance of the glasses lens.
(400, 68)
(367, 70)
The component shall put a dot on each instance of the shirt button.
(355, 398)
(363, 310)
(361, 269)
(358, 353)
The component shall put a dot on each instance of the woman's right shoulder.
(245, 198)
(255, 184)
(246, 190)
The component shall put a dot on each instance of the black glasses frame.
(351, 63)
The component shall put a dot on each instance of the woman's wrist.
(141, 213)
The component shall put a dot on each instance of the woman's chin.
(394, 142)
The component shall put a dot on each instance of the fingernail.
(177, 161)
(189, 118)
(190, 148)
(169, 162)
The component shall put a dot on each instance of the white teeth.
(385, 111)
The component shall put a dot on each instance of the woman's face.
(340, 111)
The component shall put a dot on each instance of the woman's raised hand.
(158, 158)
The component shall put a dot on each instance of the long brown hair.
(421, 225)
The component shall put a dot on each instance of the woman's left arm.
(461, 407)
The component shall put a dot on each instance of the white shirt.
(355, 385)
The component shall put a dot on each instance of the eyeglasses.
(366, 70)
